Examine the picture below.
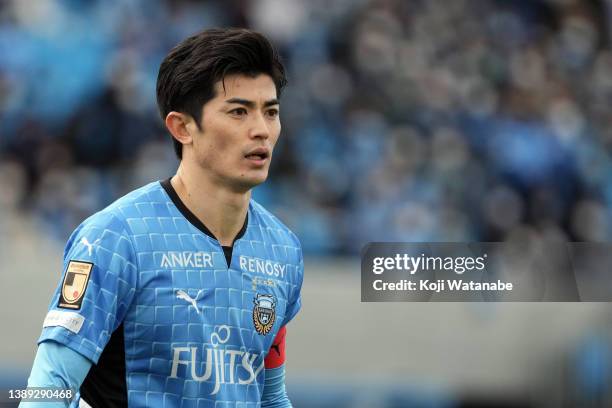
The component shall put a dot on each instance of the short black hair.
(187, 75)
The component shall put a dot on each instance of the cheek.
(206, 148)
(214, 143)
(226, 145)
(275, 133)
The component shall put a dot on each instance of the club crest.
(264, 313)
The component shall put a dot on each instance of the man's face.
(239, 129)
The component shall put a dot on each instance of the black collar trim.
(195, 221)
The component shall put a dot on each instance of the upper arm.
(96, 287)
(296, 278)
(276, 355)
(274, 392)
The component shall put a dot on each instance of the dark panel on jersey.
(105, 384)
(227, 251)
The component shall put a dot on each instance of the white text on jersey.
(217, 358)
(187, 259)
(265, 267)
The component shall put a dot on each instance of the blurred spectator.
(404, 120)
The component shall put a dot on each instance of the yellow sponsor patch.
(75, 284)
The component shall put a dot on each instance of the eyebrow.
(251, 104)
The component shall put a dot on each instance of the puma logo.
(89, 246)
(181, 294)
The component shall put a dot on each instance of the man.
(178, 294)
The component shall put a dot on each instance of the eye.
(238, 112)
(272, 113)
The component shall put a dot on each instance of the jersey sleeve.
(56, 365)
(295, 302)
(96, 287)
(274, 391)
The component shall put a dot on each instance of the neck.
(221, 209)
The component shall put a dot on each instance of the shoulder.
(270, 222)
(139, 203)
(115, 220)
(145, 201)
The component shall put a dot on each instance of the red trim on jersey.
(276, 354)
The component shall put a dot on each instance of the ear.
(179, 125)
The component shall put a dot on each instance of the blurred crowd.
(419, 120)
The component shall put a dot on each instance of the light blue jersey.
(148, 296)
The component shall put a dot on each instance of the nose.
(259, 127)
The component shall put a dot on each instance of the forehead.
(260, 87)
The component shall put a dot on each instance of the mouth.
(258, 156)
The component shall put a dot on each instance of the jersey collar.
(195, 221)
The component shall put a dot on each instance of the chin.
(255, 181)
(248, 182)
